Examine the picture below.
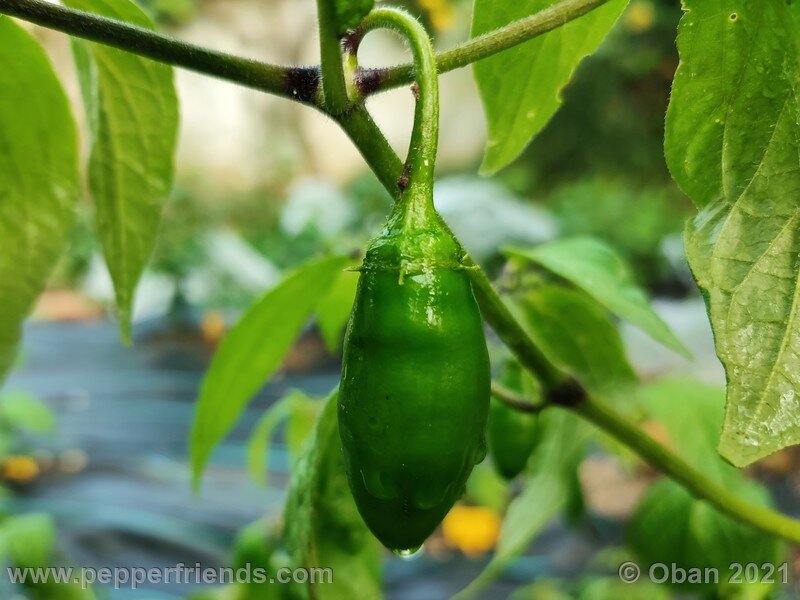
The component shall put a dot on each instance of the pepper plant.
(732, 144)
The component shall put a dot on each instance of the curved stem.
(677, 469)
(425, 134)
(515, 400)
(330, 46)
(297, 83)
(484, 46)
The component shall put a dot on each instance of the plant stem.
(332, 67)
(515, 400)
(486, 45)
(297, 83)
(677, 469)
(425, 133)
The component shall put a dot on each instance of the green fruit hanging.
(511, 433)
(415, 384)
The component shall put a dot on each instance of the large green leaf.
(521, 87)
(253, 349)
(38, 179)
(323, 527)
(670, 526)
(132, 109)
(733, 145)
(599, 271)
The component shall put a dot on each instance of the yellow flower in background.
(440, 12)
(472, 529)
(20, 469)
(640, 16)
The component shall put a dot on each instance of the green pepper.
(415, 381)
(511, 433)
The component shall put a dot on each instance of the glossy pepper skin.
(414, 396)
(512, 434)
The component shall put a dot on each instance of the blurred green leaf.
(732, 139)
(547, 492)
(607, 588)
(334, 311)
(132, 110)
(22, 411)
(29, 540)
(486, 488)
(258, 445)
(349, 13)
(299, 412)
(252, 350)
(577, 335)
(671, 525)
(520, 87)
(323, 527)
(38, 179)
(599, 271)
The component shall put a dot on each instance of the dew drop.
(406, 553)
(733, 17)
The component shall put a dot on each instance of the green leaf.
(38, 179)
(334, 311)
(252, 350)
(300, 413)
(521, 87)
(578, 336)
(733, 145)
(323, 527)
(547, 492)
(29, 540)
(598, 270)
(22, 411)
(670, 525)
(132, 110)
(258, 446)
(349, 13)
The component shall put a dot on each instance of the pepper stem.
(425, 134)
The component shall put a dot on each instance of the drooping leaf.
(521, 87)
(670, 525)
(38, 179)
(733, 145)
(547, 492)
(598, 270)
(299, 412)
(258, 445)
(323, 527)
(577, 335)
(334, 310)
(132, 110)
(253, 349)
